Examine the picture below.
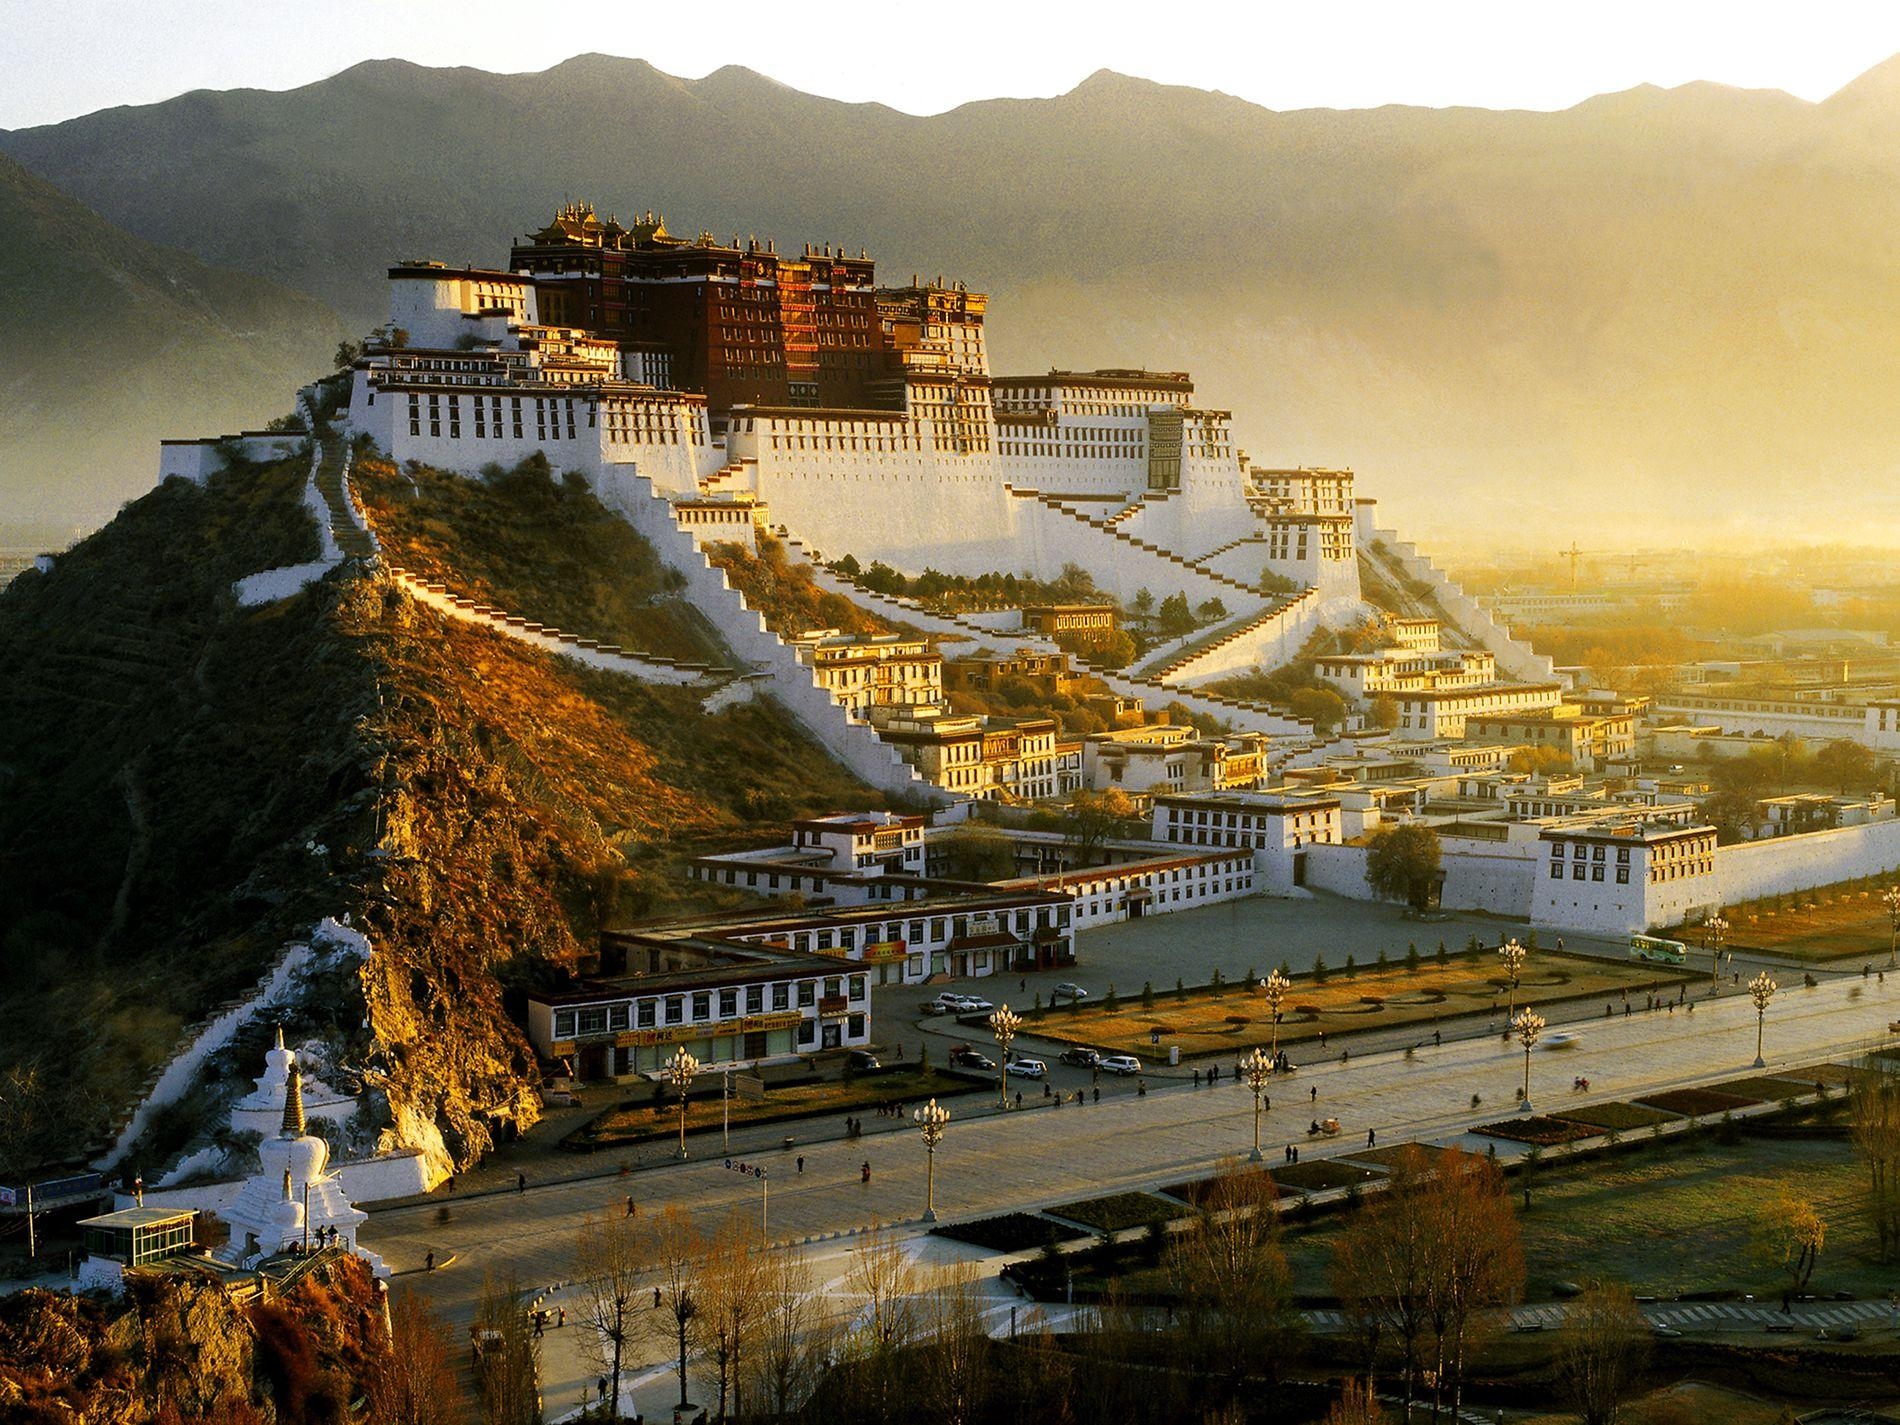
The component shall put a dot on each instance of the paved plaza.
(993, 1162)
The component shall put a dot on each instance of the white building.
(1617, 879)
(1277, 826)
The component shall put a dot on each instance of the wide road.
(1043, 1156)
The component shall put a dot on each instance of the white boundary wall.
(1514, 658)
(1780, 864)
(852, 743)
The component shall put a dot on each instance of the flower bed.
(1697, 1103)
(1009, 1232)
(1120, 1210)
(1539, 1130)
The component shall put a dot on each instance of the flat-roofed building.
(876, 671)
(1620, 878)
(1276, 826)
(1587, 740)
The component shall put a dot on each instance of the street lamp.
(1891, 899)
(930, 1120)
(1714, 932)
(1528, 1025)
(1275, 988)
(1512, 954)
(680, 1071)
(1256, 1066)
(1761, 989)
(1003, 1024)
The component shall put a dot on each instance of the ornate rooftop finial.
(280, 1034)
(293, 1104)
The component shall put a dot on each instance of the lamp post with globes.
(1761, 989)
(931, 1120)
(1714, 935)
(1527, 1026)
(1891, 899)
(1512, 954)
(1257, 1067)
(1003, 1023)
(681, 1069)
(1275, 988)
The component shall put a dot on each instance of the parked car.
(976, 1004)
(1121, 1064)
(1068, 990)
(963, 1056)
(1028, 1068)
(864, 1059)
(1082, 1058)
(948, 1003)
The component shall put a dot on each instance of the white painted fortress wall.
(854, 744)
(1515, 659)
(1781, 864)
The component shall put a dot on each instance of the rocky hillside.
(177, 1348)
(1578, 316)
(108, 342)
(186, 783)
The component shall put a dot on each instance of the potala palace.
(709, 391)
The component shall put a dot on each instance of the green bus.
(1664, 952)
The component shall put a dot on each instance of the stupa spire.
(293, 1104)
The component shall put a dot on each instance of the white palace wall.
(853, 743)
(1780, 864)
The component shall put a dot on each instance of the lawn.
(1675, 1217)
(1832, 923)
(640, 1123)
(1623, 1117)
(1231, 1021)
(1698, 1103)
(1120, 1210)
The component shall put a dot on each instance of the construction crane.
(1576, 556)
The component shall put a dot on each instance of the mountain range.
(1666, 308)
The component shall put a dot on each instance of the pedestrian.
(1046, 1090)
(1560, 942)
(561, 1319)
(1019, 1098)
(1437, 1038)
(1197, 1078)
(630, 1207)
(1372, 1137)
(656, 1307)
(1312, 1094)
(1266, 1104)
(448, 1183)
(801, 1162)
(1098, 1094)
(521, 1182)
(428, 1262)
(1024, 986)
(1287, 1155)
(1141, 1088)
(600, 1386)
(1322, 1039)
(540, 1320)
(1296, 1155)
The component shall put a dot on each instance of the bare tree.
(677, 1248)
(1476, 1257)
(508, 1357)
(732, 1281)
(794, 1336)
(1357, 1405)
(1602, 1350)
(956, 1358)
(1231, 1276)
(1790, 1235)
(1380, 1264)
(1874, 1120)
(414, 1381)
(884, 1327)
(609, 1260)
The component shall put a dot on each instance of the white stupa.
(262, 1109)
(294, 1199)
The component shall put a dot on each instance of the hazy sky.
(58, 58)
